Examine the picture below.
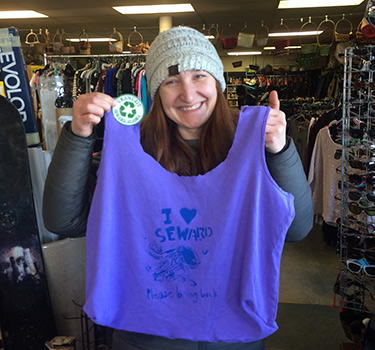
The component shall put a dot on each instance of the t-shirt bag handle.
(324, 48)
(339, 35)
(116, 42)
(229, 41)
(308, 47)
(261, 35)
(245, 39)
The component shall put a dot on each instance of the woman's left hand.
(276, 126)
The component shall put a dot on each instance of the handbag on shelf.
(116, 42)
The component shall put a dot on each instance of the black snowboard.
(26, 318)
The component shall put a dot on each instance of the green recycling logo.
(129, 109)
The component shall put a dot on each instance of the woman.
(186, 261)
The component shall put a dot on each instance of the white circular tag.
(129, 109)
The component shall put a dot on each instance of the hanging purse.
(245, 39)
(57, 42)
(325, 48)
(261, 35)
(339, 37)
(138, 48)
(68, 48)
(40, 47)
(281, 44)
(115, 44)
(229, 43)
(84, 43)
(32, 39)
(308, 48)
(48, 47)
(214, 35)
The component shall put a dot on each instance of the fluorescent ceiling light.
(292, 4)
(244, 53)
(303, 33)
(286, 48)
(97, 40)
(209, 37)
(145, 9)
(21, 14)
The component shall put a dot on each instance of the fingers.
(88, 110)
(274, 101)
(275, 138)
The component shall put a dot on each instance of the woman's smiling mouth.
(196, 106)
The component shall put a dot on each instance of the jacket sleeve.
(67, 193)
(287, 171)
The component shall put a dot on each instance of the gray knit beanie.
(177, 50)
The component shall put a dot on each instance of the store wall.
(285, 62)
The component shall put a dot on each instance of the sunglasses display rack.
(356, 280)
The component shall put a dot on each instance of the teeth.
(191, 108)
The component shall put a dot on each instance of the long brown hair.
(160, 138)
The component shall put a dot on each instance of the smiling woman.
(183, 208)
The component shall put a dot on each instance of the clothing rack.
(115, 55)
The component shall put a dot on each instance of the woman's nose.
(187, 91)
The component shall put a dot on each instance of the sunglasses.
(356, 209)
(358, 253)
(358, 164)
(358, 180)
(366, 150)
(351, 225)
(356, 196)
(356, 266)
(359, 241)
(348, 184)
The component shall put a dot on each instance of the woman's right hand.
(88, 110)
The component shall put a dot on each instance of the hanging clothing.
(323, 177)
(191, 257)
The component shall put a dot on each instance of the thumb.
(274, 101)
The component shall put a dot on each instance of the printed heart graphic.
(188, 214)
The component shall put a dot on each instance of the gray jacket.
(71, 182)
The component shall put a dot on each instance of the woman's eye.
(200, 75)
(170, 82)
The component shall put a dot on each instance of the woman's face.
(189, 98)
